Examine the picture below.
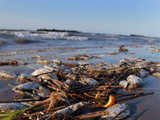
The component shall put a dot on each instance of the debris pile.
(79, 91)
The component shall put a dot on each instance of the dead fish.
(116, 112)
(26, 86)
(8, 107)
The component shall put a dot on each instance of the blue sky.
(106, 16)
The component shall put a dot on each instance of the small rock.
(134, 81)
(123, 84)
(8, 107)
(115, 110)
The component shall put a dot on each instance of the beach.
(34, 49)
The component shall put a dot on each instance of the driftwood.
(92, 115)
(70, 90)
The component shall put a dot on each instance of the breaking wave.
(45, 35)
(65, 35)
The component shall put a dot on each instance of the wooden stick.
(92, 115)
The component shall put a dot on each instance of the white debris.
(134, 81)
(123, 84)
(120, 111)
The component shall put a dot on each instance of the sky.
(103, 16)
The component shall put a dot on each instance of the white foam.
(47, 35)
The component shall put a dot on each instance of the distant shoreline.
(43, 29)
